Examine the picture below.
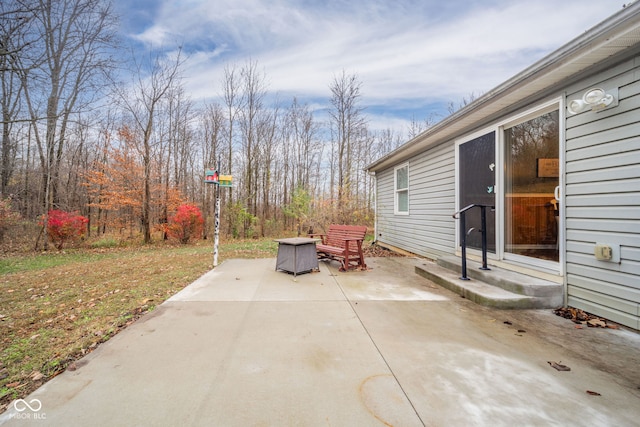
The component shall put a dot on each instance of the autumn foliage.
(116, 184)
(186, 223)
(64, 226)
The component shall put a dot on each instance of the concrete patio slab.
(245, 345)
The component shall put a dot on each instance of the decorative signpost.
(213, 177)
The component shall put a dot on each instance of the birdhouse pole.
(216, 227)
(214, 177)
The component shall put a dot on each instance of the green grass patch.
(105, 243)
(263, 248)
(45, 260)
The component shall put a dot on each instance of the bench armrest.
(349, 239)
(322, 236)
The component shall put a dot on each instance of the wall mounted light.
(595, 99)
(577, 106)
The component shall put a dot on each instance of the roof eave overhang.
(609, 38)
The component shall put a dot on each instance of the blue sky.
(413, 57)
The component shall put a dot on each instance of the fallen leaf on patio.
(581, 317)
(596, 323)
(578, 326)
(559, 367)
(593, 393)
(506, 322)
(521, 330)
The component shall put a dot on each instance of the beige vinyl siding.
(602, 199)
(429, 228)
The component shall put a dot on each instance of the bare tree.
(77, 35)
(251, 114)
(15, 38)
(143, 104)
(62, 75)
(306, 149)
(231, 96)
(416, 127)
(212, 122)
(452, 107)
(301, 154)
(347, 120)
(173, 148)
(98, 161)
(213, 127)
(387, 141)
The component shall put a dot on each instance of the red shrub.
(186, 223)
(63, 226)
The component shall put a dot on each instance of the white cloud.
(404, 51)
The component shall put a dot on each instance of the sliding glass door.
(514, 166)
(531, 183)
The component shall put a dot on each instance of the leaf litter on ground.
(581, 317)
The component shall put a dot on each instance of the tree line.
(90, 128)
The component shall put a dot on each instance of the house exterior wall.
(602, 197)
(429, 228)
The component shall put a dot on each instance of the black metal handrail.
(462, 213)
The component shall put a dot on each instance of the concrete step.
(497, 287)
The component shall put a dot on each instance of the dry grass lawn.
(57, 306)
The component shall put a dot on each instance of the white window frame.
(397, 191)
(531, 113)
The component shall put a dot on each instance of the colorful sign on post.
(211, 177)
(225, 180)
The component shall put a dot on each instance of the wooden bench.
(343, 243)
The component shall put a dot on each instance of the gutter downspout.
(375, 207)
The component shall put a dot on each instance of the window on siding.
(402, 190)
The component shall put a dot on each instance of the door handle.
(556, 193)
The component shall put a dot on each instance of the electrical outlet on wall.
(607, 252)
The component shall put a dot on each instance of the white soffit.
(609, 38)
